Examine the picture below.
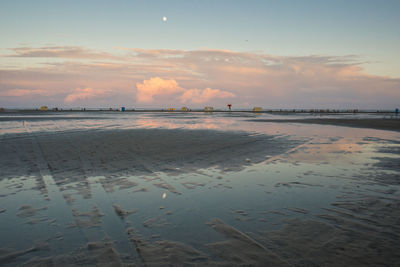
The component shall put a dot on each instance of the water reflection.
(330, 153)
(96, 184)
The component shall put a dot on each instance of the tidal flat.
(177, 189)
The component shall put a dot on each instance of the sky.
(274, 54)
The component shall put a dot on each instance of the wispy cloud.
(75, 52)
(161, 76)
(24, 93)
(153, 52)
(84, 94)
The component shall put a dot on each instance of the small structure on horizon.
(44, 108)
(185, 109)
(257, 109)
(230, 107)
(171, 109)
(122, 109)
(208, 109)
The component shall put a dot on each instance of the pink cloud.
(198, 96)
(60, 52)
(155, 87)
(156, 52)
(169, 90)
(84, 94)
(256, 79)
(23, 92)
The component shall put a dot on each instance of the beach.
(230, 189)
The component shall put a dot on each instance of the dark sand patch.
(296, 184)
(166, 253)
(192, 185)
(277, 212)
(167, 186)
(155, 222)
(381, 177)
(389, 191)
(240, 212)
(370, 213)
(390, 158)
(93, 218)
(122, 212)
(110, 183)
(240, 249)
(28, 211)
(7, 256)
(223, 186)
(298, 210)
(53, 222)
(93, 254)
(314, 243)
(33, 221)
(388, 164)
(380, 124)
(380, 140)
(237, 250)
(70, 200)
(355, 232)
(81, 188)
(59, 236)
(391, 147)
(143, 189)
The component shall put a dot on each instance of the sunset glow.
(87, 63)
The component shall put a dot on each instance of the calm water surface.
(327, 164)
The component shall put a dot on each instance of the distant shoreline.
(273, 111)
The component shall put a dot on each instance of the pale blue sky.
(278, 54)
(370, 29)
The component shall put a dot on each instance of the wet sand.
(185, 197)
(380, 124)
(74, 156)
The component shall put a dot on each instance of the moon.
(164, 19)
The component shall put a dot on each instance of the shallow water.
(270, 181)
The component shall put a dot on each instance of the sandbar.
(379, 124)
